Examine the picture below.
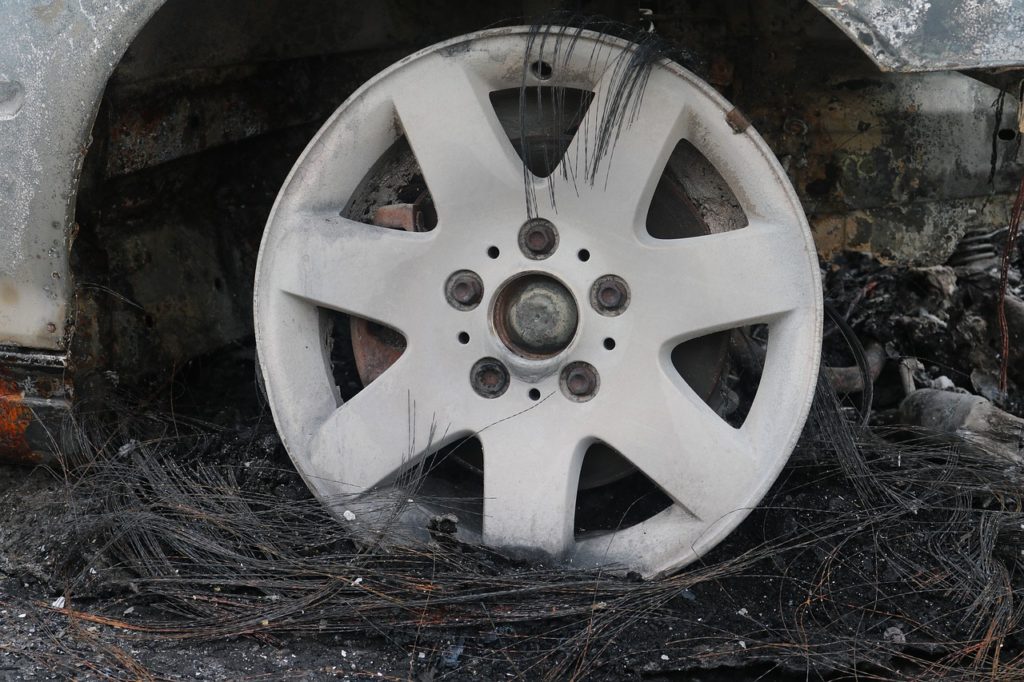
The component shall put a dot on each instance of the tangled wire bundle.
(875, 557)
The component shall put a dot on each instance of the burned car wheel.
(566, 288)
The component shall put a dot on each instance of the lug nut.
(538, 239)
(489, 378)
(580, 381)
(464, 290)
(610, 295)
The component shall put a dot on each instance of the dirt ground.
(188, 548)
(814, 585)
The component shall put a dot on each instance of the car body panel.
(932, 35)
(55, 60)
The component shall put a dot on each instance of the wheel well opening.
(198, 127)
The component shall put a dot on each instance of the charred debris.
(883, 552)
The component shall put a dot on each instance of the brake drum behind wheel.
(541, 316)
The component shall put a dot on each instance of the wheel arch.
(49, 97)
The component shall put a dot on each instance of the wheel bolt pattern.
(489, 378)
(464, 290)
(538, 239)
(580, 381)
(610, 295)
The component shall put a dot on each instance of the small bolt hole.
(534, 394)
(541, 70)
(609, 343)
(1007, 134)
(493, 252)
(583, 255)
(463, 338)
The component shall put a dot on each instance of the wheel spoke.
(467, 159)
(619, 152)
(686, 288)
(531, 472)
(741, 163)
(403, 415)
(680, 443)
(343, 265)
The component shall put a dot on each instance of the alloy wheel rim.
(312, 257)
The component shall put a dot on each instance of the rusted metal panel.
(898, 165)
(933, 35)
(35, 406)
(159, 121)
(34, 402)
(15, 418)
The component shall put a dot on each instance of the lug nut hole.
(534, 394)
(493, 252)
(463, 338)
(609, 343)
(583, 255)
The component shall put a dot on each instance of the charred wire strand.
(1004, 274)
(999, 106)
(868, 371)
(214, 535)
(551, 42)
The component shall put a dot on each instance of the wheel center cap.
(535, 315)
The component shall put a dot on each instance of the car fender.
(55, 60)
(935, 35)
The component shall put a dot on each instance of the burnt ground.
(188, 548)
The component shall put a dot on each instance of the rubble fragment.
(970, 418)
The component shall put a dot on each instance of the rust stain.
(15, 418)
(8, 294)
(737, 121)
(376, 347)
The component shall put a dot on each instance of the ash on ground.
(188, 547)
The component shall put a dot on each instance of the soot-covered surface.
(188, 552)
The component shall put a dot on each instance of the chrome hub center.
(535, 315)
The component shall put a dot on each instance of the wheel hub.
(535, 316)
